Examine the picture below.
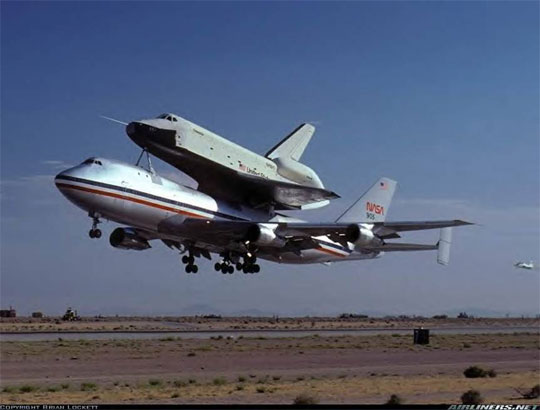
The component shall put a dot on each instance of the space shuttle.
(228, 171)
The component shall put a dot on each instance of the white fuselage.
(131, 195)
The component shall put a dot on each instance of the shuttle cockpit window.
(168, 117)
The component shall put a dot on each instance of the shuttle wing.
(227, 184)
(283, 194)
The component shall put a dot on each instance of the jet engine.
(126, 238)
(362, 237)
(264, 235)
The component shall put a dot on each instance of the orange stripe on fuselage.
(128, 198)
(331, 252)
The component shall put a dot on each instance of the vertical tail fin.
(445, 241)
(294, 144)
(373, 205)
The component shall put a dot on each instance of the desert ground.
(327, 369)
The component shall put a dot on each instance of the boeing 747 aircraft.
(241, 225)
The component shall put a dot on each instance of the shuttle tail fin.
(294, 144)
(373, 205)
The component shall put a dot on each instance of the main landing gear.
(224, 266)
(189, 261)
(94, 232)
(250, 264)
(229, 262)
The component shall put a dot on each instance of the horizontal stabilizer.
(402, 247)
(388, 228)
(294, 144)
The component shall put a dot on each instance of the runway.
(208, 334)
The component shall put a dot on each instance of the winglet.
(445, 241)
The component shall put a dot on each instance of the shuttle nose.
(142, 134)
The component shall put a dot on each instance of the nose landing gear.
(94, 232)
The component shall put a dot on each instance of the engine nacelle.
(126, 238)
(362, 237)
(264, 235)
(297, 172)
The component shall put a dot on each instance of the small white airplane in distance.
(233, 212)
(524, 265)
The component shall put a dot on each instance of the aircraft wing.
(297, 235)
(382, 229)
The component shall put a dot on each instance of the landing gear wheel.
(256, 268)
(94, 233)
(188, 268)
(224, 269)
(239, 266)
(185, 259)
(194, 268)
(217, 267)
(230, 268)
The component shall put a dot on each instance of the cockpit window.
(162, 116)
(92, 161)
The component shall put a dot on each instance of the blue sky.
(441, 96)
